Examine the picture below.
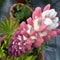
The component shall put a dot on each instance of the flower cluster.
(39, 28)
(19, 44)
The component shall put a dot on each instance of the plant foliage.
(7, 26)
(21, 12)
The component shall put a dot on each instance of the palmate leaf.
(7, 26)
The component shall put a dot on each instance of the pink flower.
(52, 33)
(38, 42)
(29, 21)
(23, 25)
(23, 32)
(57, 30)
(39, 28)
(32, 32)
(29, 41)
(29, 47)
(16, 32)
(29, 44)
(34, 15)
(37, 13)
(42, 27)
(23, 49)
(47, 7)
(46, 38)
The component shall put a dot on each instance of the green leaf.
(29, 58)
(2, 53)
(21, 12)
(34, 57)
(7, 26)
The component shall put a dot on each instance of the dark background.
(52, 51)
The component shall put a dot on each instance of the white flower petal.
(33, 37)
(52, 26)
(13, 42)
(24, 43)
(36, 25)
(45, 13)
(24, 38)
(48, 13)
(56, 20)
(29, 26)
(48, 21)
(19, 43)
(20, 47)
(53, 13)
(28, 31)
(43, 34)
(56, 25)
(19, 37)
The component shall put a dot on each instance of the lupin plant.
(39, 28)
